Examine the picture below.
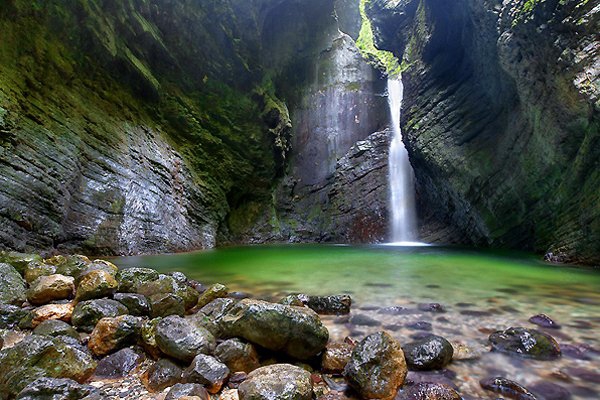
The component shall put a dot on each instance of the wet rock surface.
(507, 388)
(430, 352)
(162, 374)
(377, 368)
(51, 388)
(111, 334)
(12, 286)
(208, 371)
(279, 381)
(238, 355)
(525, 343)
(178, 338)
(49, 288)
(429, 391)
(56, 328)
(180, 390)
(87, 313)
(119, 364)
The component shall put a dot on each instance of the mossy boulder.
(36, 269)
(12, 285)
(377, 367)
(528, 343)
(19, 260)
(295, 331)
(166, 284)
(39, 356)
(211, 293)
(131, 279)
(69, 265)
(165, 304)
(87, 313)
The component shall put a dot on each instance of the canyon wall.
(501, 118)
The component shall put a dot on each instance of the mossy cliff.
(501, 117)
(138, 126)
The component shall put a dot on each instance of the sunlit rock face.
(501, 120)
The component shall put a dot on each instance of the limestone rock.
(131, 279)
(377, 368)
(119, 364)
(161, 375)
(137, 304)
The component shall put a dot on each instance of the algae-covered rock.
(87, 313)
(211, 293)
(96, 284)
(137, 304)
(165, 304)
(131, 279)
(18, 260)
(111, 334)
(69, 265)
(36, 269)
(377, 368)
(50, 288)
(430, 352)
(294, 330)
(41, 356)
(528, 343)
(278, 381)
(167, 285)
(55, 328)
(148, 336)
(54, 388)
(12, 285)
(177, 338)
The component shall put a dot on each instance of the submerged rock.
(87, 313)
(12, 286)
(278, 381)
(325, 305)
(41, 356)
(208, 371)
(430, 352)
(507, 388)
(525, 343)
(296, 331)
(50, 288)
(53, 388)
(161, 375)
(238, 355)
(429, 391)
(177, 338)
(377, 368)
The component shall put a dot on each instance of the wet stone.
(11, 315)
(96, 284)
(36, 269)
(507, 388)
(336, 357)
(525, 343)
(87, 313)
(236, 379)
(576, 351)
(69, 265)
(111, 334)
(54, 388)
(12, 286)
(211, 293)
(177, 338)
(396, 310)
(278, 381)
(18, 261)
(165, 304)
(50, 288)
(544, 321)
(56, 328)
(187, 389)
(137, 304)
(161, 375)
(420, 326)
(208, 371)
(119, 364)
(428, 391)
(237, 355)
(131, 279)
(439, 377)
(430, 352)
(62, 312)
(330, 305)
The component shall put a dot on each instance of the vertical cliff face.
(501, 119)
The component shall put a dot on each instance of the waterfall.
(402, 193)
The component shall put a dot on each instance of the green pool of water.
(480, 291)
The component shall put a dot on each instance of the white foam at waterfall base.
(401, 177)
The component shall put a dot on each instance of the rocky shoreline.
(72, 328)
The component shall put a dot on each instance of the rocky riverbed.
(73, 328)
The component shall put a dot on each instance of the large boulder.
(208, 371)
(277, 382)
(523, 342)
(165, 304)
(112, 334)
(427, 353)
(12, 286)
(54, 388)
(168, 285)
(69, 265)
(377, 368)
(50, 288)
(39, 357)
(296, 331)
(87, 313)
(178, 338)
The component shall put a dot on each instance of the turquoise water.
(481, 292)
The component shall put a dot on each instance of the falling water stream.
(402, 195)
